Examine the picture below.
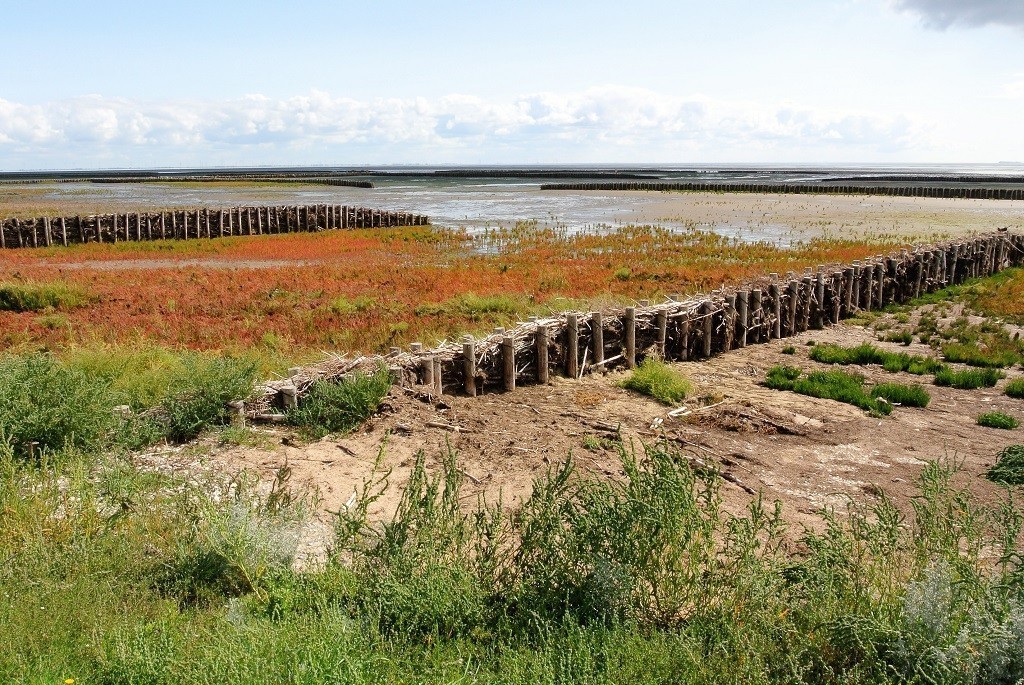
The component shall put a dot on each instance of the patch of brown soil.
(809, 453)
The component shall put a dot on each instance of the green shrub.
(44, 402)
(972, 355)
(199, 393)
(866, 353)
(782, 377)
(788, 349)
(1009, 466)
(902, 337)
(904, 395)
(997, 419)
(832, 385)
(29, 296)
(340, 407)
(1015, 388)
(842, 387)
(657, 379)
(969, 379)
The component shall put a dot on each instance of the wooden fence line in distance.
(807, 188)
(574, 343)
(188, 224)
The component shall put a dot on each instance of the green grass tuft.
(657, 379)
(969, 379)
(973, 355)
(997, 419)
(832, 385)
(332, 407)
(30, 296)
(1015, 388)
(1009, 466)
(904, 395)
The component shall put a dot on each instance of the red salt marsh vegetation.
(367, 289)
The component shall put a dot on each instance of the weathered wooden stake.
(508, 358)
(742, 317)
(542, 355)
(775, 299)
(662, 321)
(706, 328)
(597, 336)
(469, 368)
(572, 345)
(757, 316)
(629, 333)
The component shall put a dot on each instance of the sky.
(107, 84)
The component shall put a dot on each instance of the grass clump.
(866, 353)
(30, 296)
(114, 575)
(200, 392)
(1015, 388)
(968, 379)
(1009, 466)
(904, 395)
(974, 355)
(332, 407)
(831, 385)
(997, 419)
(657, 379)
(46, 406)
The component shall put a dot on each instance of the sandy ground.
(806, 452)
(841, 216)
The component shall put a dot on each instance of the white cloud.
(608, 123)
(942, 14)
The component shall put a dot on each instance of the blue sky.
(119, 84)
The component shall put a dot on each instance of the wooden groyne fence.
(805, 188)
(187, 224)
(574, 343)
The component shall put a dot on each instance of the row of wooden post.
(810, 188)
(777, 308)
(195, 223)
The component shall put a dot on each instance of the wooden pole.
(508, 358)
(792, 305)
(683, 344)
(63, 232)
(742, 317)
(597, 336)
(706, 328)
(729, 321)
(662, 322)
(629, 332)
(469, 367)
(572, 345)
(427, 367)
(775, 298)
(438, 380)
(756, 317)
(542, 355)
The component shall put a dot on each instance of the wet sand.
(476, 206)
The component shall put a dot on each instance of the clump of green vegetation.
(48, 407)
(1015, 388)
(968, 379)
(997, 419)
(30, 296)
(489, 308)
(340, 407)
(117, 575)
(788, 349)
(344, 305)
(973, 355)
(832, 385)
(657, 379)
(596, 443)
(1009, 466)
(902, 337)
(94, 401)
(866, 353)
(904, 395)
